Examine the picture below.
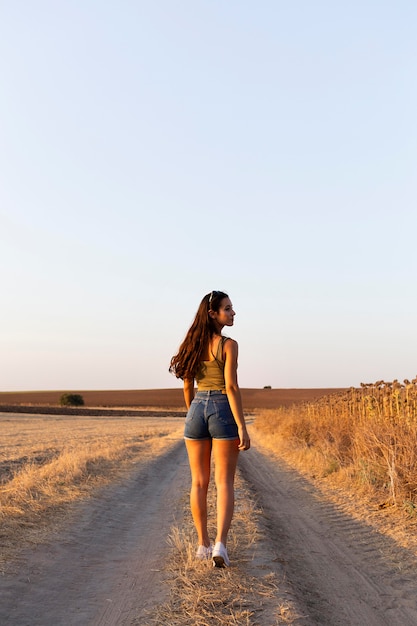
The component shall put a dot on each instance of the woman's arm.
(233, 391)
(188, 392)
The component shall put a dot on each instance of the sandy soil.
(339, 570)
(106, 567)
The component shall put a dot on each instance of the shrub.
(71, 399)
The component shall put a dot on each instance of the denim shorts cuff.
(226, 438)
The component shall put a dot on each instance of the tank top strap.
(219, 353)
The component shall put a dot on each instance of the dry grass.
(204, 596)
(363, 441)
(48, 462)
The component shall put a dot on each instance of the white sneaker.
(220, 557)
(204, 552)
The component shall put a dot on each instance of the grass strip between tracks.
(201, 595)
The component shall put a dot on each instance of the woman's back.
(210, 375)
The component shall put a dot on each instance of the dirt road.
(106, 569)
(340, 571)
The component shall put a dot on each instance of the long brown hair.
(186, 362)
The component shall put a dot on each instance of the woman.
(215, 423)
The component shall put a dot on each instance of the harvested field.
(48, 463)
(163, 398)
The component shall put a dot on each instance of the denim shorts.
(210, 417)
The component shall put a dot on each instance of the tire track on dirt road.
(341, 571)
(105, 567)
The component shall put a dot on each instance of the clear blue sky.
(154, 151)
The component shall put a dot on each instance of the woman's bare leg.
(199, 453)
(225, 453)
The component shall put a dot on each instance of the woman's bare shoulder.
(230, 345)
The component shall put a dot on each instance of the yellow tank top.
(210, 375)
